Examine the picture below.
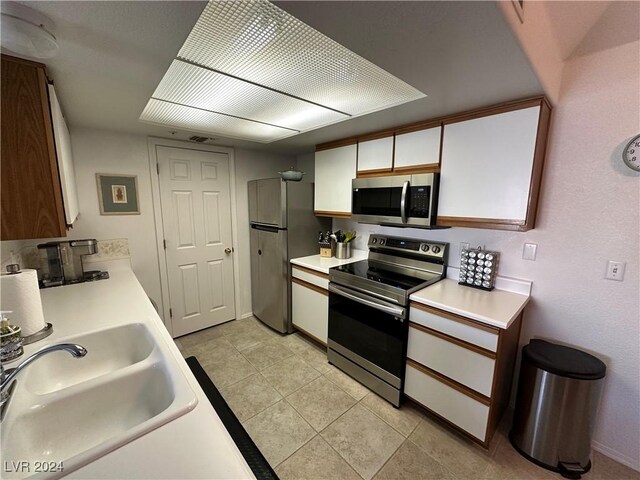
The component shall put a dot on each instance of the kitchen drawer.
(310, 311)
(459, 363)
(480, 335)
(458, 408)
(311, 276)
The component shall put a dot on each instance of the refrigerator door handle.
(265, 227)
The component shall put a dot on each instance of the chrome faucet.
(8, 376)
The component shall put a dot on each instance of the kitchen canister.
(478, 268)
(343, 250)
(20, 293)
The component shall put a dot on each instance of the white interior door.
(196, 216)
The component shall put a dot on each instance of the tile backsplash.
(28, 256)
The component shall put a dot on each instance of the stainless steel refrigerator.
(282, 226)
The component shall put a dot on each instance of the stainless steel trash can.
(558, 396)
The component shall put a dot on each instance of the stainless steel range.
(369, 309)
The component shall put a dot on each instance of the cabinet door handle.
(259, 252)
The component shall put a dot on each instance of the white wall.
(251, 165)
(98, 151)
(587, 215)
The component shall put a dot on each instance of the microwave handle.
(403, 201)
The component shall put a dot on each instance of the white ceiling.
(461, 54)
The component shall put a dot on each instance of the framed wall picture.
(118, 194)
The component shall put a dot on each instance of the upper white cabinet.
(334, 170)
(65, 159)
(375, 155)
(417, 149)
(491, 169)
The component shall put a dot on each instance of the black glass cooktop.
(376, 272)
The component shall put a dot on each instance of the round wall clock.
(631, 154)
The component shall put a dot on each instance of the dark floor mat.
(256, 461)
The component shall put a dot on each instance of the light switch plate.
(529, 251)
(615, 270)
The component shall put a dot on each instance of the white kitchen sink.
(69, 412)
(107, 351)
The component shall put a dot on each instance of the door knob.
(227, 250)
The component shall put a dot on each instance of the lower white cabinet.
(310, 310)
(460, 369)
(462, 410)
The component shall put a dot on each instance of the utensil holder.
(343, 250)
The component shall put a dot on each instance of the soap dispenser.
(10, 339)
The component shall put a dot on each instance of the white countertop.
(497, 307)
(323, 264)
(195, 445)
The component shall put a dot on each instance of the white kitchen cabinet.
(491, 168)
(418, 149)
(334, 170)
(375, 155)
(460, 369)
(462, 410)
(310, 310)
(65, 159)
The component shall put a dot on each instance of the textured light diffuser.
(252, 60)
(168, 114)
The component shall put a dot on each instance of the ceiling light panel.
(193, 86)
(158, 112)
(259, 42)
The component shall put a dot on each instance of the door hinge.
(158, 168)
(164, 243)
(170, 313)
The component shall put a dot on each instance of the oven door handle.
(356, 297)
(403, 201)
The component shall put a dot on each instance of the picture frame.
(118, 194)
(519, 7)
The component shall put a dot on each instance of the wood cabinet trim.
(416, 127)
(508, 344)
(375, 136)
(448, 423)
(493, 110)
(422, 168)
(310, 270)
(310, 336)
(454, 340)
(450, 382)
(456, 318)
(24, 61)
(492, 223)
(378, 172)
(539, 155)
(325, 213)
(310, 286)
(345, 142)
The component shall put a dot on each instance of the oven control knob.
(435, 249)
(424, 247)
(382, 241)
(374, 240)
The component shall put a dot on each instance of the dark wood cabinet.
(30, 192)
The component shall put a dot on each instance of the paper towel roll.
(20, 293)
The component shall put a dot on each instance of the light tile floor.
(311, 421)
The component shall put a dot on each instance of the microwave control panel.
(419, 201)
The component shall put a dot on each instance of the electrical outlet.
(615, 270)
(529, 251)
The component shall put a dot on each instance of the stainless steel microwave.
(402, 200)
